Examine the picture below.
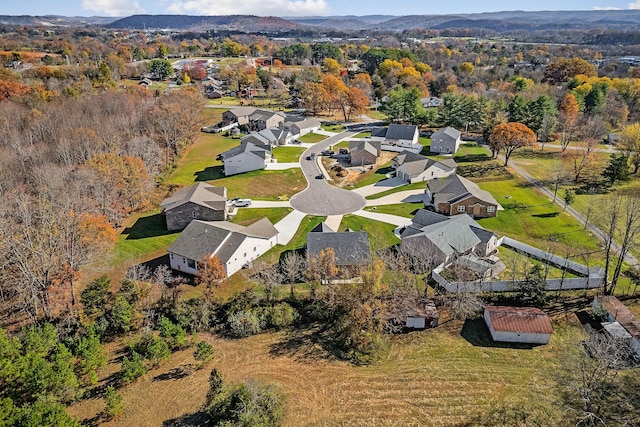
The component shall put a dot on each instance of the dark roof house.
(364, 152)
(456, 195)
(200, 201)
(351, 249)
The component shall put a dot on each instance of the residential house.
(414, 167)
(271, 136)
(245, 157)
(445, 141)
(264, 119)
(527, 325)
(456, 195)
(364, 152)
(441, 240)
(238, 115)
(430, 102)
(620, 322)
(234, 245)
(398, 137)
(351, 248)
(200, 201)
(298, 126)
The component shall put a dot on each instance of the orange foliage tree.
(10, 89)
(509, 137)
(211, 271)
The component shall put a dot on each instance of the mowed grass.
(414, 186)
(312, 138)
(287, 154)
(406, 210)
(264, 185)
(146, 235)
(450, 376)
(380, 233)
(246, 216)
(530, 216)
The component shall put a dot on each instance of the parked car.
(241, 203)
(320, 176)
(326, 152)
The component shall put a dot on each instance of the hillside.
(247, 23)
(55, 20)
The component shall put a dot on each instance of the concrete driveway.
(321, 198)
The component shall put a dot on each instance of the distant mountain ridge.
(495, 21)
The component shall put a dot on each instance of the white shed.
(518, 324)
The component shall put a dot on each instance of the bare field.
(431, 378)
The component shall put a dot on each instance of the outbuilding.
(527, 325)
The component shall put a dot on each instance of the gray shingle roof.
(448, 131)
(350, 248)
(380, 132)
(449, 234)
(247, 147)
(221, 238)
(455, 188)
(415, 164)
(322, 228)
(397, 131)
(242, 111)
(201, 193)
(372, 147)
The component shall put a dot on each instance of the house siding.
(179, 217)
(363, 158)
(473, 206)
(242, 163)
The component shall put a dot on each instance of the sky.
(294, 7)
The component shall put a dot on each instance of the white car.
(242, 203)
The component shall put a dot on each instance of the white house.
(445, 141)
(246, 157)
(299, 126)
(414, 167)
(234, 245)
(398, 138)
(526, 325)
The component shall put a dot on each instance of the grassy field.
(246, 216)
(414, 186)
(380, 233)
(264, 185)
(401, 209)
(450, 376)
(312, 138)
(287, 154)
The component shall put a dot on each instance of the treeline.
(73, 169)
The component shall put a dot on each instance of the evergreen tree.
(617, 169)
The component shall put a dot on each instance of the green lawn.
(246, 216)
(263, 185)
(333, 128)
(414, 186)
(530, 217)
(373, 176)
(287, 154)
(362, 135)
(380, 233)
(147, 235)
(400, 209)
(312, 138)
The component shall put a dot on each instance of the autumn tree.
(580, 157)
(630, 144)
(314, 97)
(564, 69)
(509, 137)
(11, 89)
(567, 119)
(211, 271)
(292, 267)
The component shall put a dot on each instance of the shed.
(424, 315)
(526, 325)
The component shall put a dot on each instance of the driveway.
(380, 186)
(389, 219)
(320, 198)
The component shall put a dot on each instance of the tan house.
(364, 152)
(456, 195)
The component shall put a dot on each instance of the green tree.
(113, 403)
(132, 368)
(173, 334)
(569, 197)
(630, 144)
(153, 348)
(617, 169)
(160, 69)
(203, 353)
(543, 106)
(533, 291)
(91, 355)
(95, 297)
(519, 110)
(121, 315)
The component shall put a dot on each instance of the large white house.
(398, 138)
(248, 156)
(414, 167)
(234, 245)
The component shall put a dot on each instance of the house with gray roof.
(413, 167)
(235, 246)
(271, 136)
(239, 115)
(200, 201)
(264, 119)
(440, 239)
(351, 248)
(398, 137)
(248, 156)
(364, 152)
(445, 141)
(456, 195)
(298, 126)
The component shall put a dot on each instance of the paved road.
(321, 198)
(595, 230)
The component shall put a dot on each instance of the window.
(491, 208)
(193, 214)
(255, 249)
(184, 260)
(171, 256)
(191, 263)
(461, 208)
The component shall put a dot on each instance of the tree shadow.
(148, 226)
(476, 332)
(210, 173)
(178, 373)
(547, 215)
(305, 344)
(197, 419)
(469, 158)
